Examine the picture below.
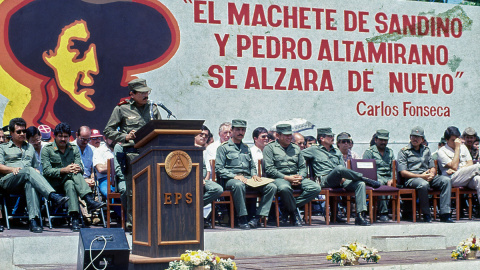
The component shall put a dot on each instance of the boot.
(35, 226)
(242, 223)
(254, 222)
(371, 182)
(427, 218)
(57, 200)
(446, 218)
(75, 222)
(361, 220)
(91, 203)
(297, 220)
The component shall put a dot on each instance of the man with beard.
(234, 164)
(127, 117)
(383, 157)
(416, 165)
(470, 135)
(62, 167)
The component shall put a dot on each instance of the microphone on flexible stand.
(164, 108)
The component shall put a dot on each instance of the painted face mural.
(72, 59)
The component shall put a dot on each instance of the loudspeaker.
(115, 254)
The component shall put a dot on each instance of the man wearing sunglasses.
(19, 176)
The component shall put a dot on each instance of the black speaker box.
(115, 254)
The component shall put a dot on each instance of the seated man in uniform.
(233, 164)
(416, 165)
(327, 162)
(19, 176)
(384, 158)
(62, 167)
(285, 163)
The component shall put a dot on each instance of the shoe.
(361, 221)
(242, 223)
(75, 223)
(297, 220)
(370, 182)
(254, 222)
(57, 200)
(446, 218)
(427, 218)
(1, 228)
(341, 219)
(383, 218)
(91, 203)
(35, 226)
(206, 224)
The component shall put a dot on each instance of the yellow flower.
(353, 247)
(217, 259)
(187, 258)
(329, 257)
(182, 257)
(359, 252)
(343, 256)
(379, 257)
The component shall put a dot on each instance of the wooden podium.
(167, 193)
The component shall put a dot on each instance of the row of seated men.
(37, 168)
(285, 162)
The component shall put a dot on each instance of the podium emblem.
(178, 165)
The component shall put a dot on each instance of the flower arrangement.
(465, 248)
(201, 260)
(350, 253)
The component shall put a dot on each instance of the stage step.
(409, 242)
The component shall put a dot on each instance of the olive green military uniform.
(329, 166)
(418, 162)
(233, 160)
(73, 184)
(384, 171)
(27, 181)
(280, 162)
(127, 117)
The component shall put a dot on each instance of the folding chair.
(23, 212)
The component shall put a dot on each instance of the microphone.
(164, 108)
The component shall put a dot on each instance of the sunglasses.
(20, 131)
(344, 141)
(85, 139)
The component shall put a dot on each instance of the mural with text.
(345, 64)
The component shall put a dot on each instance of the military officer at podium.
(234, 165)
(127, 117)
(285, 163)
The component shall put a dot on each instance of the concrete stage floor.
(412, 245)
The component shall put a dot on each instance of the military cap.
(6, 131)
(326, 131)
(285, 129)
(418, 131)
(139, 85)
(343, 136)
(382, 134)
(469, 131)
(239, 123)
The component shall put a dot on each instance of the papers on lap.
(253, 183)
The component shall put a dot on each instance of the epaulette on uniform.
(224, 142)
(270, 142)
(404, 148)
(125, 101)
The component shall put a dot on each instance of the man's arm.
(220, 160)
(269, 161)
(302, 167)
(367, 154)
(110, 130)
(48, 170)
(455, 161)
